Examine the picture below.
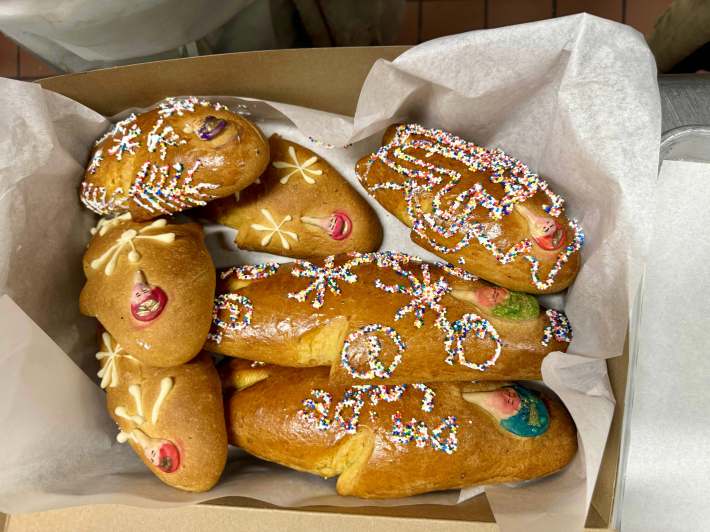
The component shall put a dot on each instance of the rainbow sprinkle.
(237, 305)
(559, 327)
(374, 345)
(251, 272)
(457, 218)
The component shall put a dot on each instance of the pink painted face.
(547, 232)
(147, 302)
(164, 455)
(338, 225)
(504, 402)
(491, 296)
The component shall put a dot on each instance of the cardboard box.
(322, 78)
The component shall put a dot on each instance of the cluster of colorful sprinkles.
(251, 272)
(346, 415)
(424, 294)
(326, 145)
(452, 215)
(240, 312)
(168, 189)
(559, 328)
(374, 350)
(154, 188)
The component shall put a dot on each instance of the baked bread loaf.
(300, 207)
(151, 285)
(173, 418)
(179, 155)
(385, 318)
(475, 207)
(401, 440)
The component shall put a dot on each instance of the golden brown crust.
(291, 332)
(161, 161)
(316, 211)
(376, 461)
(159, 307)
(182, 439)
(548, 235)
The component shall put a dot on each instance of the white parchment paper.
(576, 98)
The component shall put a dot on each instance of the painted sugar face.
(518, 410)
(147, 302)
(506, 304)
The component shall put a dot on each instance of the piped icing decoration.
(251, 272)
(559, 327)
(159, 189)
(338, 225)
(166, 189)
(296, 167)
(147, 302)
(127, 242)
(162, 139)
(95, 161)
(346, 415)
(127, 143)
(109, 371)
(162, 453)
(453, 216)
(106, 224)
(323, 277)
(275, 229)
(373, 346)
(240, 311)
(424, 293)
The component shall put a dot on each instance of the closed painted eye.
(211, 127)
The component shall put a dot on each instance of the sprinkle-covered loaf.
(384, 318)
(151, 285)
(395, 441)
(173, 418)
(475, 207)
(300, 207)
(179, 155)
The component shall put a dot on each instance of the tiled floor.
(427, 19)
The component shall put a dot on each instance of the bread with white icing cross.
(151, 285)
(387, 441)
(475, 207)
(182, 154)
(383, 318)
(173, 418)
(300, 207)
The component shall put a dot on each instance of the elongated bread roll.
(173, 418)
(395, 441)
(383, 317)
(180, 155)
(475, 207)
(300, 207)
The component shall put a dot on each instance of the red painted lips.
(147, 302)
(338, 225)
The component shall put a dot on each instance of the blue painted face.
(531, 419)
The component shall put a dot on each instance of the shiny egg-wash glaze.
(475, 207)
(391, 441)
(182, 154)
(382, 317)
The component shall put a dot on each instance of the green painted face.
(518, 307)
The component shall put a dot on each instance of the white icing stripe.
(127, 240)
(166, 384)
(121, 411)
(297, 167)
(275, 229)
(135, 391)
